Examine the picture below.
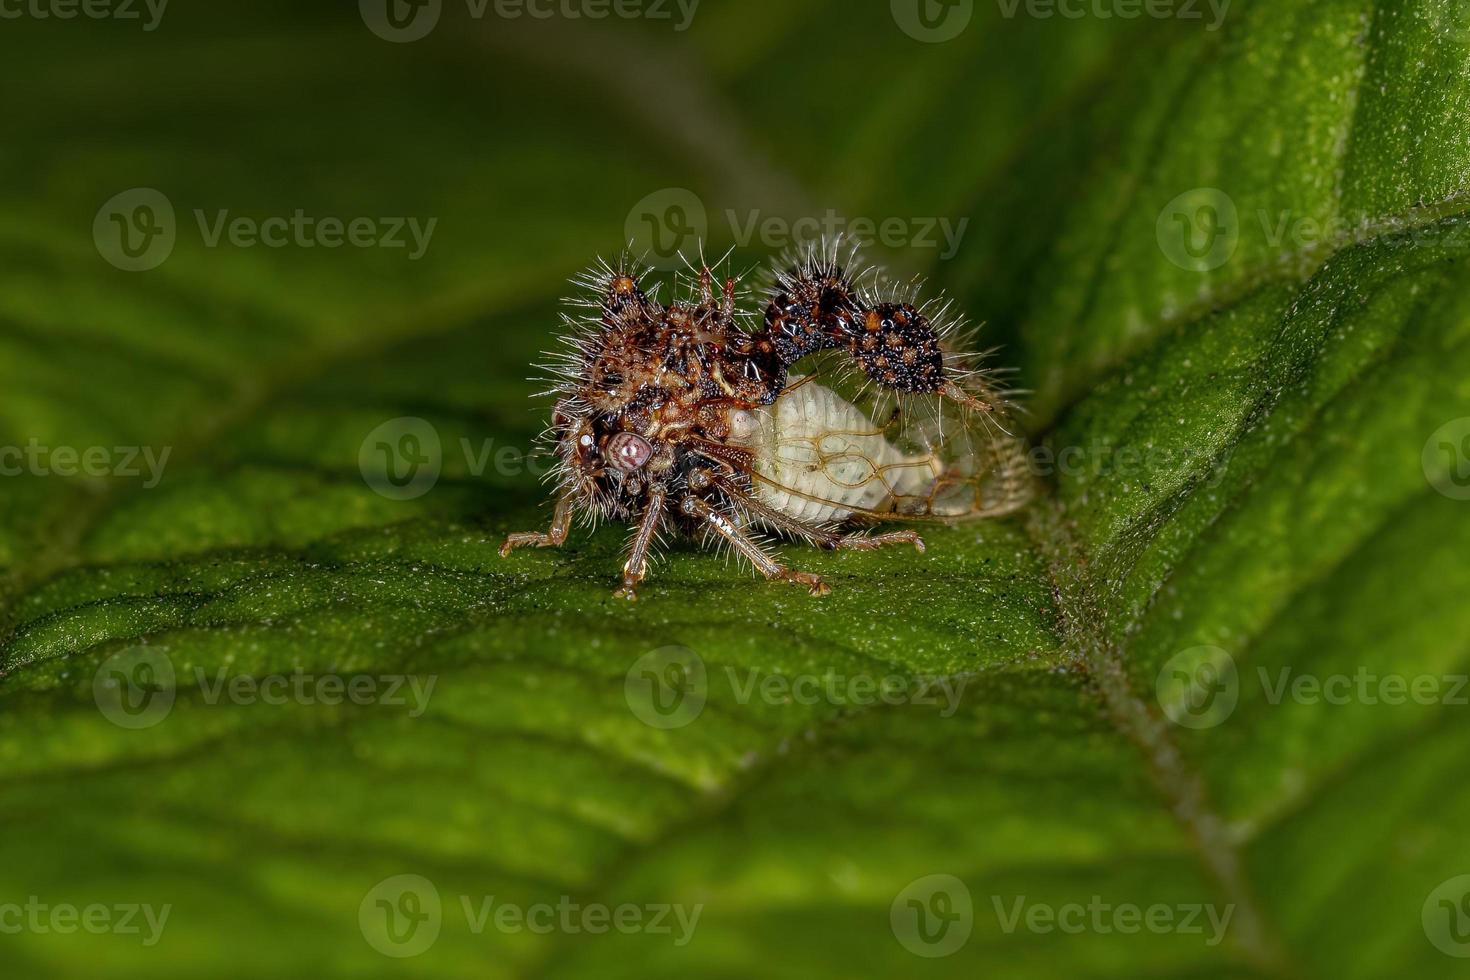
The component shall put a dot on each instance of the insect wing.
(884, 456)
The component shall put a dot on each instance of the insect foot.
(525, 539)
(814, 583)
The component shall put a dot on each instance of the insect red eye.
(628, 451)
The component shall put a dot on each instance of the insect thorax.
(671, 376)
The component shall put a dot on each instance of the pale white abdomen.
(817, 458)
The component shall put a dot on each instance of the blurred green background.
(1225, 252)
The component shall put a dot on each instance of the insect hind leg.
(872, 542)
(726, 527)
(822, 537)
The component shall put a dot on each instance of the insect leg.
(872, 542)
(822, 537)
(726, 528)
(637, 564)
(554, 537)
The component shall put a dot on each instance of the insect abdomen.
(817, 458)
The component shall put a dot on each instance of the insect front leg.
(553, 537)
(636, 567)
(725, 526)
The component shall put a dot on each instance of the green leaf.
(1252, 477)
